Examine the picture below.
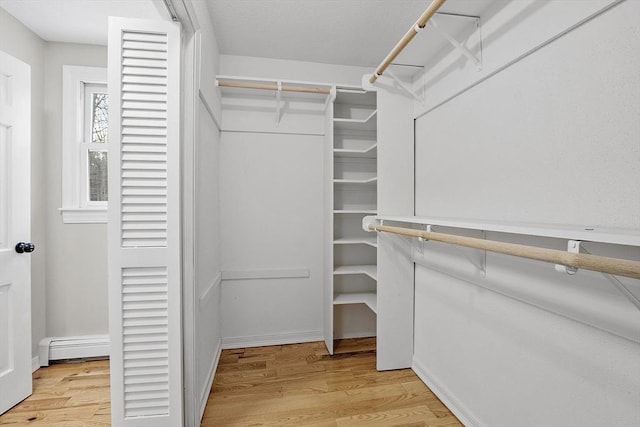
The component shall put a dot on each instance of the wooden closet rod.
(419, 25)
(618, 267)
(274, 86)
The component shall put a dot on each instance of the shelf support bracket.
(278, 98)
(405, 87)
(480, 264)
(456, 44)
(330, 98)
(573, 246)
(576, 246)
(428, 229)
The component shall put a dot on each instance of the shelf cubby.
(367, 269)
(367, 298)
(369, 241)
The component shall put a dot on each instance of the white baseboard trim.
(457, 408)
(35, 364)
(204, 394)
(271, 339)
(354, 335)
(75, 347)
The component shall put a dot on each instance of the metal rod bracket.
(576, 246)
(573, 246)
(421, 239)
(278, 98)
(330, 98)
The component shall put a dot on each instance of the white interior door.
(145, 317)
(15, 222)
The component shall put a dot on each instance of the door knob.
(23, 247)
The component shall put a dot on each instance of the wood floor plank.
(398, 417)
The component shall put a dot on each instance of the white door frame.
(193, 407)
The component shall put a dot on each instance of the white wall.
(207, 256)
(20, 42)
(76, 253)
(271, 201)
(271, 179)
(552, 138)
(204, 164)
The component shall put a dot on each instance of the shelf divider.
(371, 241)
(368, 298)
(370, 270)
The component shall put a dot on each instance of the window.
(85, 145)
(94, 145)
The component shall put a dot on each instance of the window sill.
(84, 215)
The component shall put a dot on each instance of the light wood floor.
(293, 385)
(301, 385)
(66, 395)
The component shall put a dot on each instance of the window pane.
(98, 184)
(99, 121)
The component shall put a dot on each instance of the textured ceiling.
(76, 21)
(350, 32)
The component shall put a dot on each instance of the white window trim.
(73, 80)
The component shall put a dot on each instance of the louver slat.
(144, 37)
(144, 63)
(146, 54)
(132, 44)
(145, 97)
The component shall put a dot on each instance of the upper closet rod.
(419, 25)
(274, 87)
(618, 267)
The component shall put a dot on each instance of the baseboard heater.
(76, 347)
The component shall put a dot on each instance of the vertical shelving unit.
(354, 176)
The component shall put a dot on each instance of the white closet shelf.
(371, 151)
(372, 180)
(354, 120)
(355, 97)
(615, 236)
(369, 270)
(355, 211)
(368, 298)
(367, 123)
(371, 241)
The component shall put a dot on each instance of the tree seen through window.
(98, 182)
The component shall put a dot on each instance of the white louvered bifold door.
(144, 223)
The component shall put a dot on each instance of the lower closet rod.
(615, 266)
(274, 86)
